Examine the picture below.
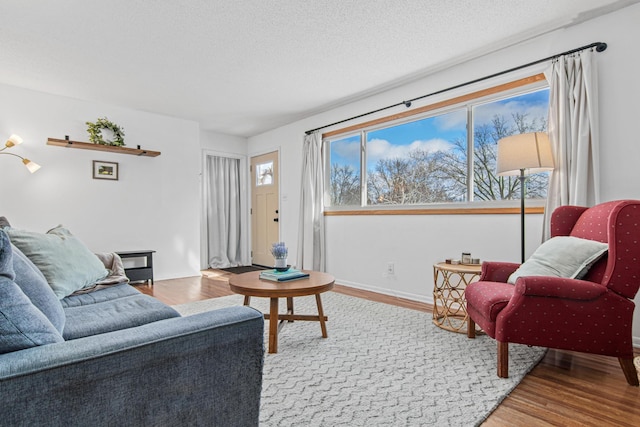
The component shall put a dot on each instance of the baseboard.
(386, 291)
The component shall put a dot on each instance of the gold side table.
(449, 303)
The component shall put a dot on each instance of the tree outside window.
(427, 160)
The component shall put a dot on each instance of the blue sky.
(433, 133)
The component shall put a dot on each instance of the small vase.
(281, 262)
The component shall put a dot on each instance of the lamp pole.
(522, 179)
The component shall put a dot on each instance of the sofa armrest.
(558, 287)
(497, 271)
(204, 369)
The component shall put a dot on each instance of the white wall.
(223, 143)
(360, 246)
(155, 204)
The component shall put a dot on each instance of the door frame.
(280, 213)
(244, 205)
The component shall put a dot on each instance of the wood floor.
(565, 389)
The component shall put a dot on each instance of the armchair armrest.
(558, 287)
(204, 369)
(497, 271)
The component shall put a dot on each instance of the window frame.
(467, 102)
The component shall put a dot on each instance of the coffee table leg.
(290, 307)
(323, 326)
(247, 300)
(273, 326)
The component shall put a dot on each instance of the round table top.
(250, 284)
(459, 268)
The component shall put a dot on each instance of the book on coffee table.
(283, 276)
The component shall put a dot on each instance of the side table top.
(250, 284)
(459, 268)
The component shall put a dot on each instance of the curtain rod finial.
(601, 47)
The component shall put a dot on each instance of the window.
(433, 158)
(495, 120)
(344, 171)
(406, 162)
(264, 174)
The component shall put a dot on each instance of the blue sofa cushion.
(113, 314)
(35, 286)
(22, 325)
(67, 264)
(100, 295)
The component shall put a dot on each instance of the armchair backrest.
(616, 223)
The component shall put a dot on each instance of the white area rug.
(381, 365)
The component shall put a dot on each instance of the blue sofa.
(116, 357)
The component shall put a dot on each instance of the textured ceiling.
(245, 66)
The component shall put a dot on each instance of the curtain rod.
(600, 47)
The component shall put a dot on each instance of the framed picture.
(105, 170)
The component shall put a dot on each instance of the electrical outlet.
(391, 269)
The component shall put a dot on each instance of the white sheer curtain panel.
(311, 234)
(573, 132)
(224, 225)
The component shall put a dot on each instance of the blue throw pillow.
(22, 325)
(36, 288)
(67, 264)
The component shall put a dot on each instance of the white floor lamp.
(524, 154)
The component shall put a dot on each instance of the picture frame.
(105, 170)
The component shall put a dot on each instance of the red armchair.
(591, 315)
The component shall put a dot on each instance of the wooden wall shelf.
(98, 147)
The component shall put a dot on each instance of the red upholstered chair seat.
(592, 315)
(489, 301)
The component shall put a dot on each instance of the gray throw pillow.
(67, 264)
(562, 256)
(4, 222)
(36, 288)
(22, 325)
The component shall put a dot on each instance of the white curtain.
(224, 223)
(573, 132)
(311, 235)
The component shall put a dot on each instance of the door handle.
(276, 220)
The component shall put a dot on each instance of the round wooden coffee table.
(250, 285)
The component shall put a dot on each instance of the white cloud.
(382, 149)
(454, 120)
(347, 149)
(485, 113)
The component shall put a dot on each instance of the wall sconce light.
(12, 142)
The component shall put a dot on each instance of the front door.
(265, 229)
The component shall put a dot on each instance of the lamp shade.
(32, 166)
(14, 140)
(529, 151)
